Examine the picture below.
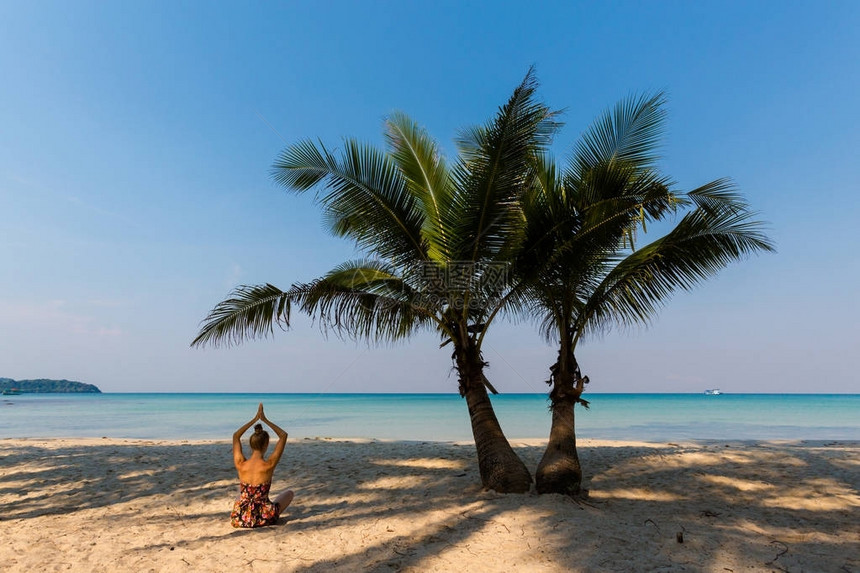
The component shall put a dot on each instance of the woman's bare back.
(255, 470)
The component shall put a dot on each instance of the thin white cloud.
(106, 302)
(51, 315)
(233, 275)
(36, 187)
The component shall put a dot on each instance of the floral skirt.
(253, 508)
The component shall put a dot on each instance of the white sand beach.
(130, 505)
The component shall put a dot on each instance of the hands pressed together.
(261, 415)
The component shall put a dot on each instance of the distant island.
(45, 386)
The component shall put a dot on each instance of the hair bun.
(258, 429)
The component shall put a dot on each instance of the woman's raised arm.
(282, 437)
(238, 456)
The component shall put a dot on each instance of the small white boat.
(713, 392)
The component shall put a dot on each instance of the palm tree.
(580, 270)
(437, 240)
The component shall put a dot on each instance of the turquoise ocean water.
(440, 417)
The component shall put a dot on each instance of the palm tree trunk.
(501, 469)
(559, 470)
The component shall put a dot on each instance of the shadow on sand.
(394, 506)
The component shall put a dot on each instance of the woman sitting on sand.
(254, 509)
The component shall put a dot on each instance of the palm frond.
(705, 241)
(630, 132)
(568, 241)
(249, 312)
(365, 299)
(421, 163)
(366, 196)
(717, 196)
(492, 170)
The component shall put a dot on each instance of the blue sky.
(136, 141)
